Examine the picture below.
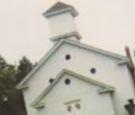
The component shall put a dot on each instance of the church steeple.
(62, 24)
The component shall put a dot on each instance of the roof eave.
(38, 106)
(21, 87)
(123, 61)
(106, 90)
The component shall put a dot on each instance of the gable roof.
(105, 87)
(60, 7)
(121, 59)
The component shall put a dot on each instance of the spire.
(61, 18)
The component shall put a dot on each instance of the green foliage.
(7, 76)
(11, 100)
(25, 66)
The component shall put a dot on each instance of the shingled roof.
(59, 6)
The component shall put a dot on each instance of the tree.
(7, 76)
(7, 83)
(11, 100)
(25, 66)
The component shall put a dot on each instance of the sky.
(106, 24)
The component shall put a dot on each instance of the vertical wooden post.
(131, 65)
(130, 107)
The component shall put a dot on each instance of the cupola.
(61, 18)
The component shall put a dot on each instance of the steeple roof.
(60, 7)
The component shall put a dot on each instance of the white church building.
(74, 78)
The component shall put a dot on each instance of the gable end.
(121, 59)
(104, 87)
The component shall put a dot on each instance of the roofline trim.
(67, 35)
(106, 87)
(72, 42)
(45, 58)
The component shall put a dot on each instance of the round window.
(93, 70)
(67, 57)
(67, 81)
(69, 108)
